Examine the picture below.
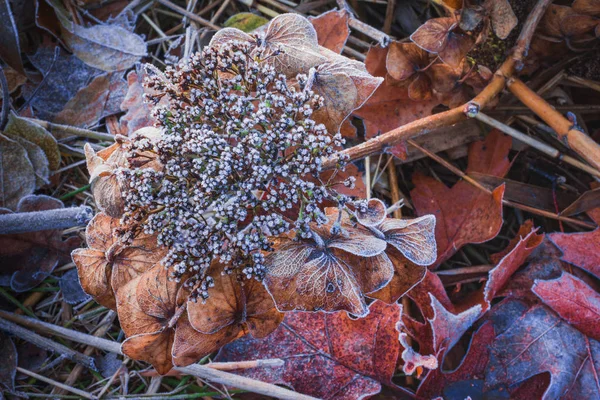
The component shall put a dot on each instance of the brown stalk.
(569, 134)
(422, 126)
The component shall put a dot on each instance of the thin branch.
(424, 125)
(5, 99)
(58, 218)
(47, 344)
(200, 371)
(52, 382)
(72, 130)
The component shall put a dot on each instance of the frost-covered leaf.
(106, 47)
(329, 356)
(102, 97)
(34, 133)
(414, 238)
(332, 29)
(245, 21)
(291, 33)
(67, 75)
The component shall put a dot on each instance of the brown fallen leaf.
(27, 259)
(148, 313)
(332, 29)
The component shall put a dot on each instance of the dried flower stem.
(52, 382)
(5, 99)
(425, 125)
(46, 343)
(72, 130)
(59, 218)
(488, 191)
(569, 134)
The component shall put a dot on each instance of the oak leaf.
(465, 214)
(580, 249)
(329, 356)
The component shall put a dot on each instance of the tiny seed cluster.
(241, 159)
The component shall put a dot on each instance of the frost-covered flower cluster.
(241, 159)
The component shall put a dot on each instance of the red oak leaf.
(465, 214)
(572, 299)
(581, 249)
(536, 340)
(471, 368)
(329, 356)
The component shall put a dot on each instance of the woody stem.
(422, 126)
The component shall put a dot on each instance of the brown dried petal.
(374, 215)
(293, 34)
(345, 85)
(372, 273)
(457, 47)
(154, 348)
(420, 88)
(323, 283)
(414, 238)
(433, 34)
(405, 59)
(406, 276)
(189, 345)
(94, 275)
(588, 7)
(156, 293)
(133, 320)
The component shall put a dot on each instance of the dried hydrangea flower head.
(229, 186)
(241, 160)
